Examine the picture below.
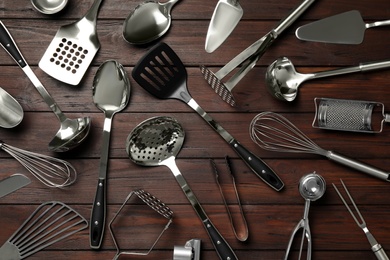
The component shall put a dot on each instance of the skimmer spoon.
(72, 131)
(156, 142)
(282, 80)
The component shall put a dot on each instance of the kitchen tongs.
(248, 58)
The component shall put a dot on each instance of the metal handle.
(263, 171)
(378, 23)
(285, 23)
(91, 15)
(379, 252)
(358, 166)
(222, 247)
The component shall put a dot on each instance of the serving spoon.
(148, 21)
(11, 112)
(72, 131)
(282, 80)
(111, 93)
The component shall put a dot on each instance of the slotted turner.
(162, 74)
(49, 223)
(73, 48)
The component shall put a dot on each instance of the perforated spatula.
(73, 48)
(162, 74)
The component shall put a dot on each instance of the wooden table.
(270, 215)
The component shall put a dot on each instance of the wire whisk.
(273, 132)
(52, 172)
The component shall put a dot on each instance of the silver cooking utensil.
(49, 6)
(162, 74)
(239, 225)
(225, 18)
(156, 142)
(154, 203)
(51, 222)
(148, 21)
(375, 246)
(72, 131)
(52, 172)
(282, 80)
(344, 28)
(190, 251)
(73, 48)
(248, 58)
(13, 183)
(348, 115)
(111, 93)
(11, 112)
(273, 132)
(311, 187)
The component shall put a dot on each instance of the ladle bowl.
(148, 22)
(49, 6)
(11, 112)
(282, 80)
(71, 133)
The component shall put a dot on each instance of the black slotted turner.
(162, 74)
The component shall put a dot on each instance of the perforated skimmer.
(157, 141)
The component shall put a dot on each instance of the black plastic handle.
(9, 45)
(98, 216)
(258, 166)
(223, 249)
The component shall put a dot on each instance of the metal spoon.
(111, 93)
(11, 112)
(311, 187)
(283, 81)
(49, 6)
(72, 131)
(148, 21)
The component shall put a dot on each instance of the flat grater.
(73, 48)
(348, 115)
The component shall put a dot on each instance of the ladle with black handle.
(162, 74)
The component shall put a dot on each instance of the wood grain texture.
(271, 215)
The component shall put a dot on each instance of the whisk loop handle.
(358, 165)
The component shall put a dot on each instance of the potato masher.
(153, 203)
(348, 115)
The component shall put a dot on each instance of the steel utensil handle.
(358, 165)
(285, 23)
(379, 252)
(259, 167)
(222, 247)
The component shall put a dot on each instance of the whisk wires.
(52, 172)
(274, 132)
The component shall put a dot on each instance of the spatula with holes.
(162, 74)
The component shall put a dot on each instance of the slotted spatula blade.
(162, 74)
(72, 49)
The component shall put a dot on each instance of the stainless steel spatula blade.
(344, 28)
(13, 183)
(225, 18)
(72, 49)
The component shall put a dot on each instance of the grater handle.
(358, 166)
(9, 45)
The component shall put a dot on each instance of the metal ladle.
(111, 93)
(11, 112)
(148, 21)
(282, 80)
(72, 131)
(311, 187)
(49, 6)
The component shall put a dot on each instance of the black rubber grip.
(9, 45)
(221, 246)
(258, 166)
(98, 216)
